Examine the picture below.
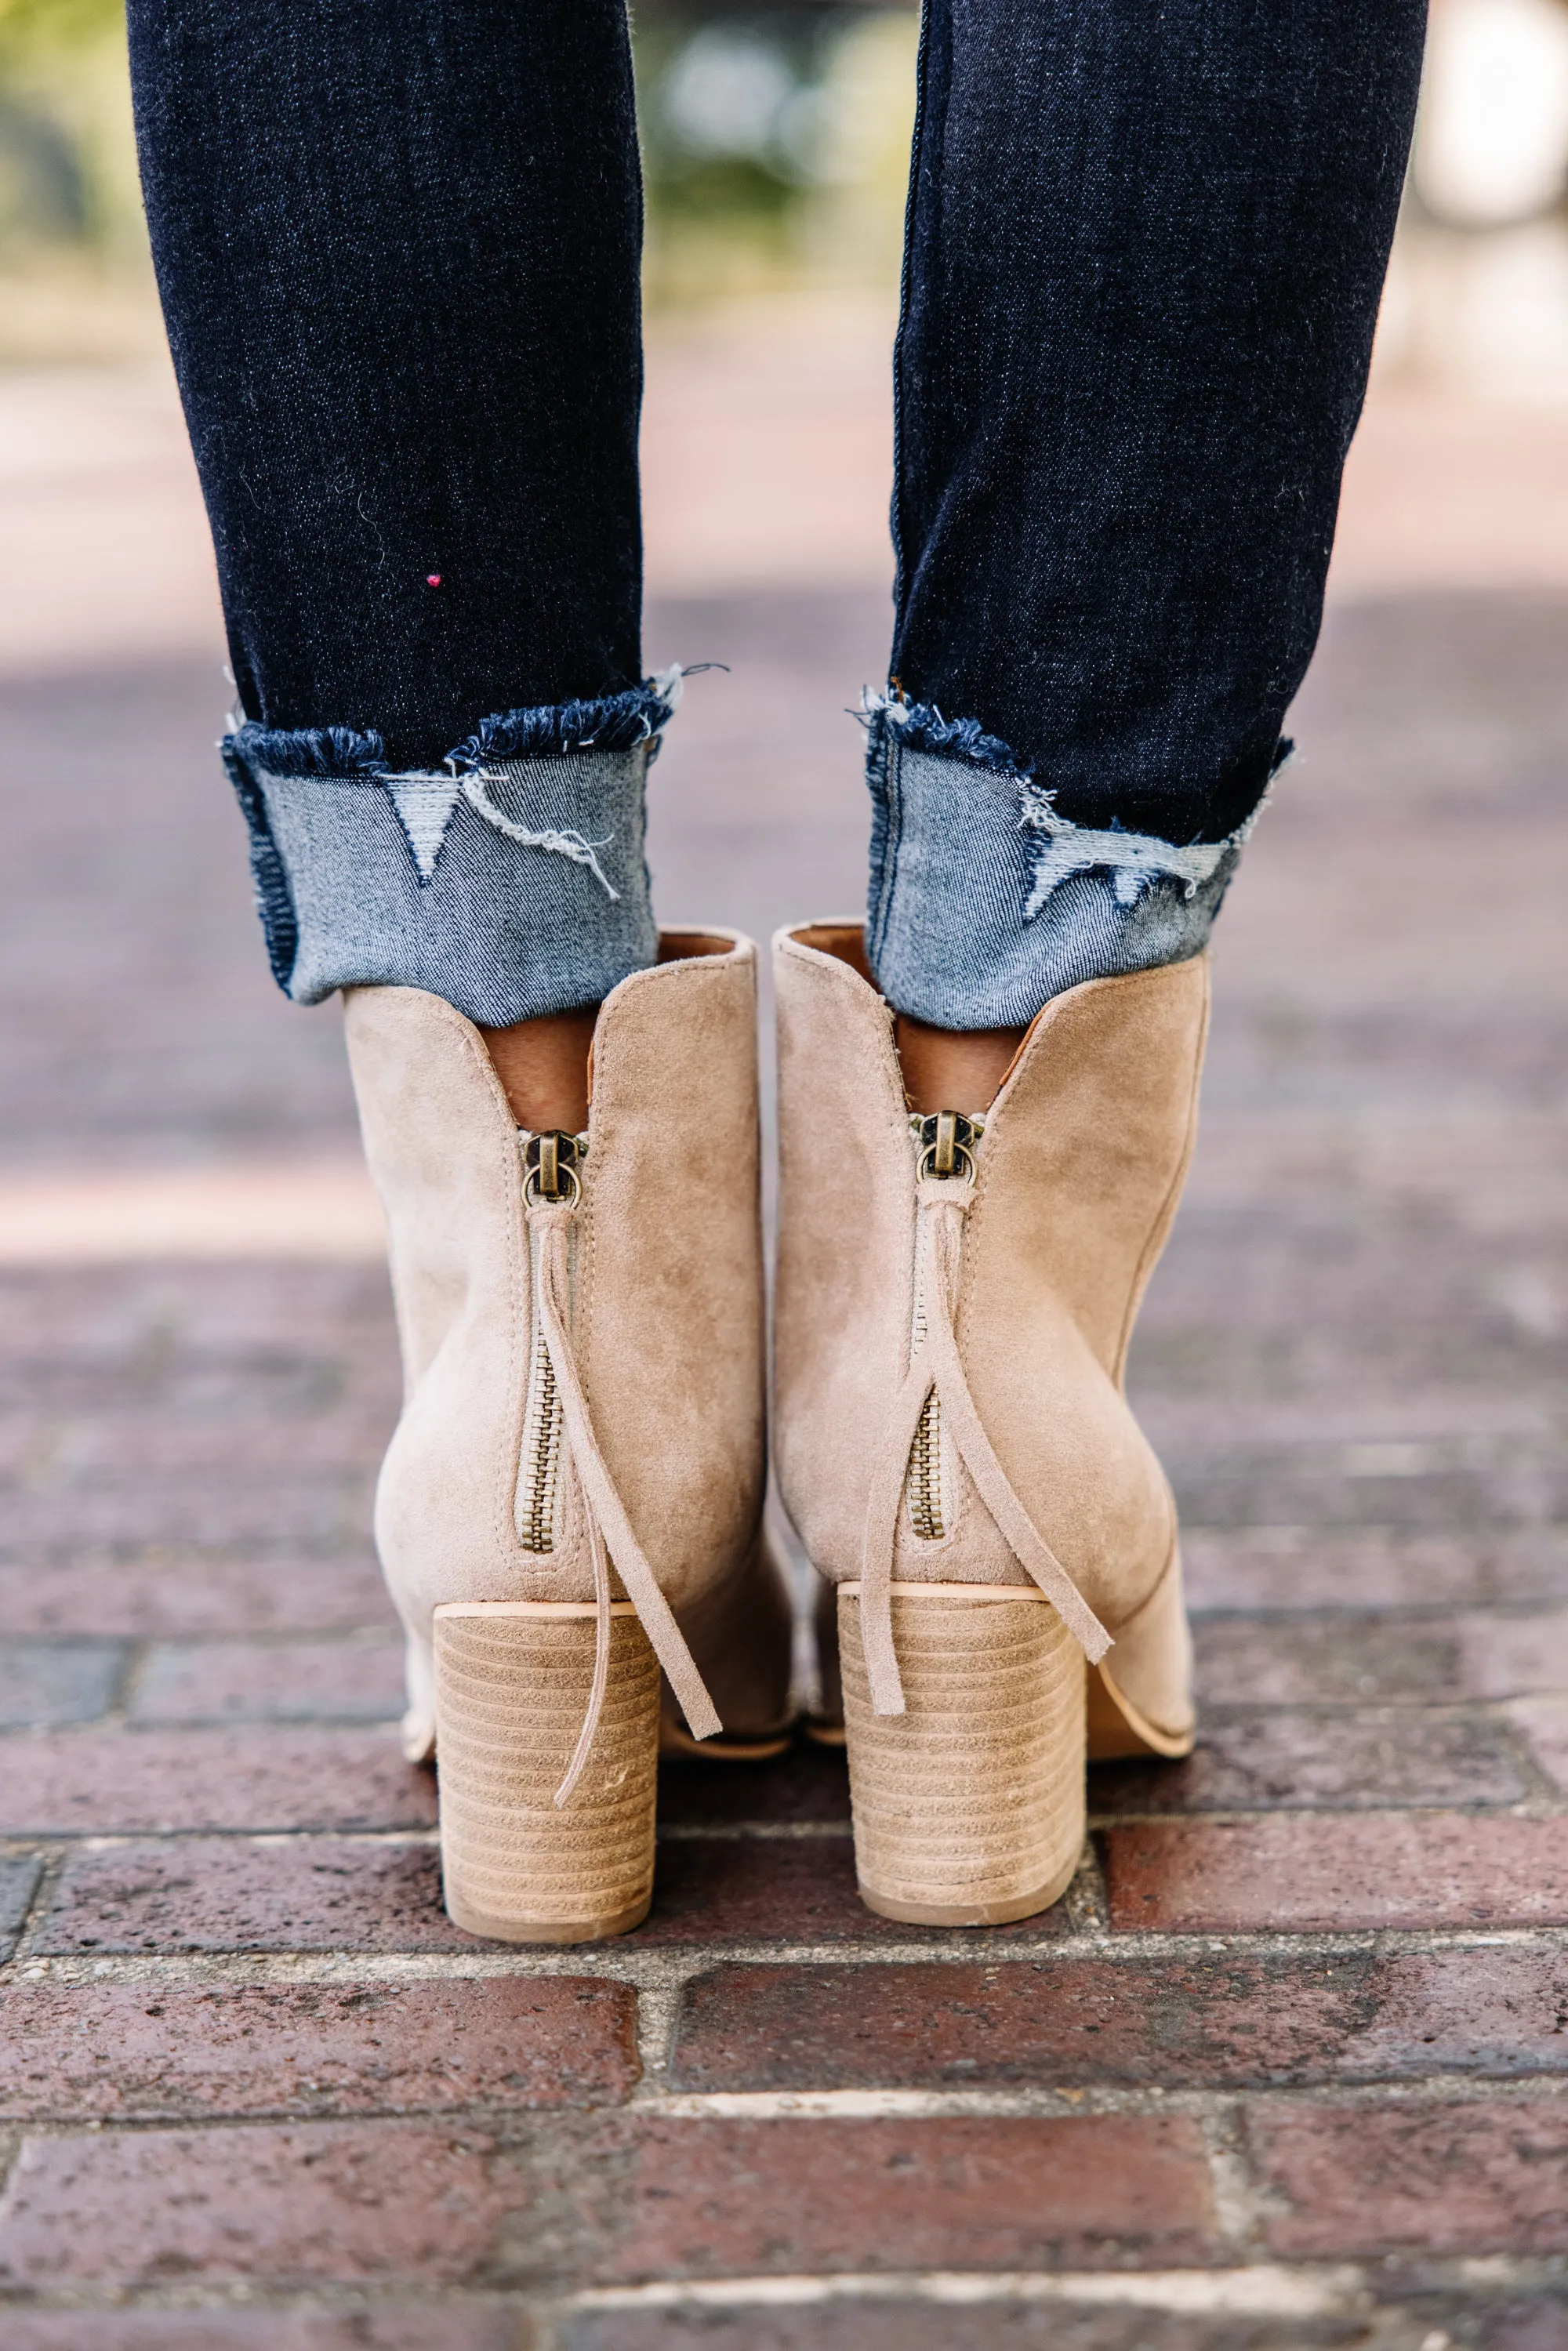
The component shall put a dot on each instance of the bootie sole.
(513, 1680)
(969, 1806)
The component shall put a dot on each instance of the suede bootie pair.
(570, 1516)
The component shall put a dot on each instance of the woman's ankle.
(954, 1069)
(543, 1065)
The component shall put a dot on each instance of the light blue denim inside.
(983, 905)
(515, 890)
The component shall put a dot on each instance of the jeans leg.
(398, 245)
(1146, 240)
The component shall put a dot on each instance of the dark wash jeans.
(398, 245)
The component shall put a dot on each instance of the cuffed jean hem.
(985, 903)
(511, 881)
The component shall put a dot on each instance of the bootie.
(572, 1499)
(955, 1299)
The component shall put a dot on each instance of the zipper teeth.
(923, 1484)
(539, 1478)
(537, 1530)
(923, 1481)
(926, 1474)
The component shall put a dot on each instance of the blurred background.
(776, 142)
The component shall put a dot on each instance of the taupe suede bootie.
(955, 1299)
(572, 1499)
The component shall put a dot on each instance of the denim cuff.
(985, 903)
(511, 881)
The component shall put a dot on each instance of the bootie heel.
(513, 1685)
(969, 1806)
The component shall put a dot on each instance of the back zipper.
(549, 1163)
(945, 1142)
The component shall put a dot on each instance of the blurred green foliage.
(67, 167)
(58, 25)
(775, 143)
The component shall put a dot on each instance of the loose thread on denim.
(558, 844)
(1133, 860)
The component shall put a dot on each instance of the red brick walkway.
(1287, 2067)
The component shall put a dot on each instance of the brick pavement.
(1289, 2066)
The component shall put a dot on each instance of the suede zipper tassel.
(610, 1530)
(944, 1201)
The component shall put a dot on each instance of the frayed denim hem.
(985, 903)
(511, 881)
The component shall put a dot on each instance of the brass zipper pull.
(947, 1140)
(551, 1165)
